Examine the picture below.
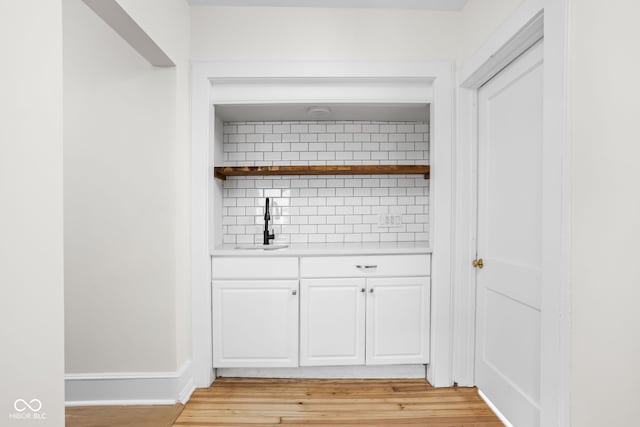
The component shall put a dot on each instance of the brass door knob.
(478, 263)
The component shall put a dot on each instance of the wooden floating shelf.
(225, 171)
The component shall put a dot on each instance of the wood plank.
(107, 416)
(275, 402)
(222, 172)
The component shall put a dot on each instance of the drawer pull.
(366, 267)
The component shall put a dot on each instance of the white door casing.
(332, 322)
(507, 366)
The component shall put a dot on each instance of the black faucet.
(267, 236)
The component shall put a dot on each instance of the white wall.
(126, 188)
(31, 253)
(605, 65)
(272, 33)
(478, 20)
(168, 23)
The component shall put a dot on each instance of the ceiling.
(383, 4)
(285, 112)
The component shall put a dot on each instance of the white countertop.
(377, 248)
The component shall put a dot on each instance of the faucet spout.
(267, 216)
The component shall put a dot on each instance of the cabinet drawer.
(254, 268)
(366, 266)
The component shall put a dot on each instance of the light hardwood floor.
(238, 402)
(122, 416)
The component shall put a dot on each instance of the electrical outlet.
(390, 220)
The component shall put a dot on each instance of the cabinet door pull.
(294, 292)
(362, 290)
(365, 267)
(371, 290)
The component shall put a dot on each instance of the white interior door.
(510, 239)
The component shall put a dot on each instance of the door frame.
(214, 82)
(533, 20)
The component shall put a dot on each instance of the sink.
(262, 247)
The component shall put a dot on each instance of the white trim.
(521, 31)
(439, 371)
(526, 37)
(320, 90)
(513, 37)
(129, 388)
(556, 278)
(201, 350)
(464, 296)
(391, 371)
(555, 322)
(440, 74)
(495, 410)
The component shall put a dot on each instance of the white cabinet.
(352, 310)
(372, 321)
(365, 266)
(255, 323)
(398, 320)
(257, 268)
(332, 316)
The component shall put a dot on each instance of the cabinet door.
(255, 323)
(332, 315)
(398, 320)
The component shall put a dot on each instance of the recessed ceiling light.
(319, 112)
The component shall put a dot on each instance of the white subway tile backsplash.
(308, 137)
(353, 127)
(254, 137)
(344, 156)
(236, 138)
(291, 137)
(335, 238)
(344, 228)
(309, 209)
(263, 128)
(344, 137)
(272, 137)
(286, 128)
(272, 155)
(246, 128)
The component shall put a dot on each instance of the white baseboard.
(351, 372)
(130, 388)
(495, 410)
